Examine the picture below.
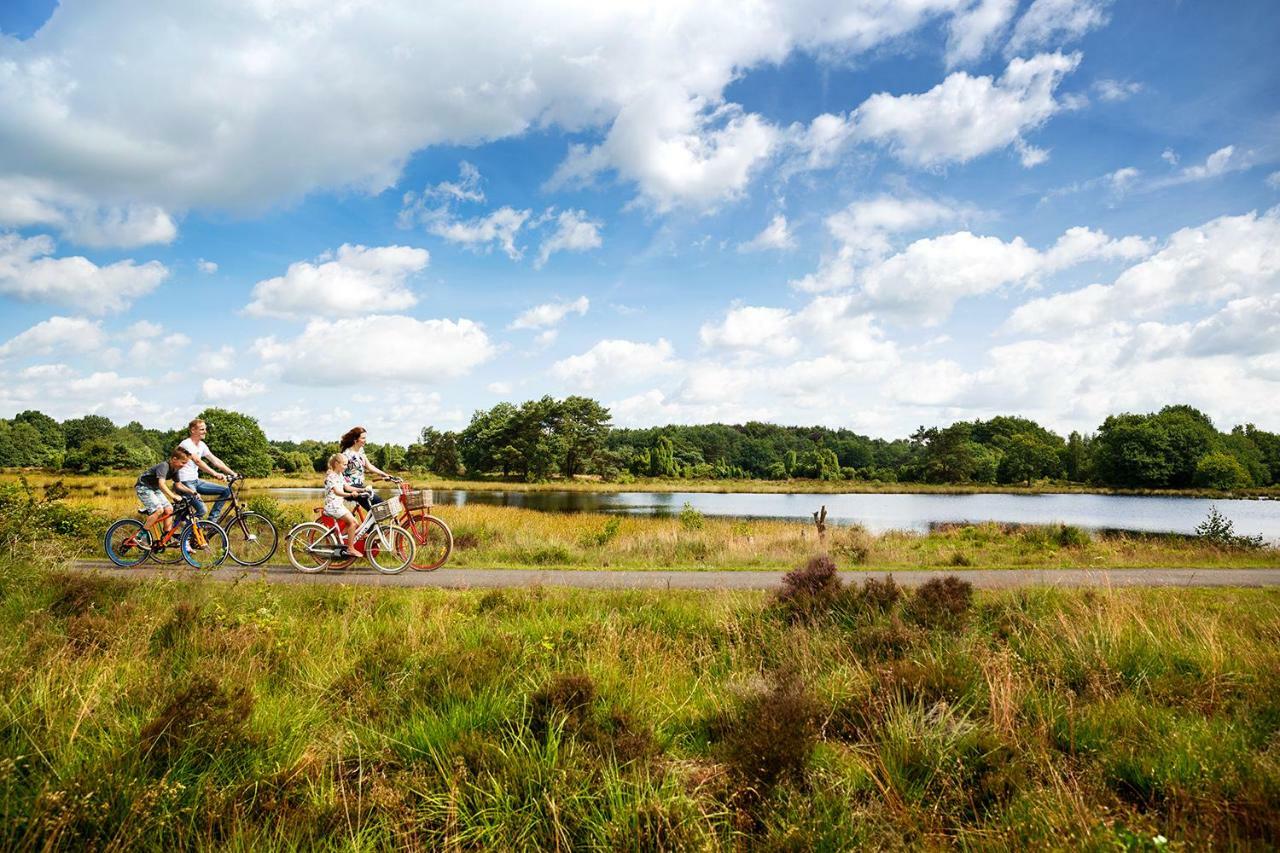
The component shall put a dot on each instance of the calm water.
(888, 511)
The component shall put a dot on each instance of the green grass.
(193, 714)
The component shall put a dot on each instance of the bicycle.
(202, 543)
(314, 546)
(433, 538)
(251, 536)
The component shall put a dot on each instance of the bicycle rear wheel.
(252, 538)
(434, 540)
(127, 543)
(390, 548)
(310, 547)
(209, 553)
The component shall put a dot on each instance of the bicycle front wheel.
(252, 538)
(434, 542)
(127, 543)
(390, 548)
(310, 547)
(204, 545)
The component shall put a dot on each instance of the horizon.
(946, 211)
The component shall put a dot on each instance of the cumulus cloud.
(28, 273)
(1116, 90)
(354, 278)
(616, 362)
(575, 232)
(392, 348)
(225, 390)
(1056, 22)
(1229, 257)
(973, 31)
(1220, 162)
(27, 202)
(964, 117)
(550, 314)
(206, 267)
(750, 327)
(261, 103)
(57, 334)
(1273, 180)
(775, 236)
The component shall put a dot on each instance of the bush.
(853, 544)
(942, 603)
(770, 738)
(810, 591)
(1221, 471)
(880, 596)
(690, 518)
(1218, 530)
(24, 516)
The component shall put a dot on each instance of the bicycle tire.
(252, 538)
(168, 553)
(434, 542)
(394, 559)
(131, 549)
(212, 553)
(298, 544)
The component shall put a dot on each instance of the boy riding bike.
(152, 488)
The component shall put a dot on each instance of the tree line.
(1174, 448)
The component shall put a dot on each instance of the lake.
(880, 512)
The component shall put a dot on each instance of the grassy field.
(510, 537)
(103, 484)
(184, 715)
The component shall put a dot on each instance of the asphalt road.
(666, 579)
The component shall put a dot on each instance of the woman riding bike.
(352, 446)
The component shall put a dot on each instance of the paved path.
(664, 579)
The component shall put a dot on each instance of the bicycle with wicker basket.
(314, 546)
(431, 536)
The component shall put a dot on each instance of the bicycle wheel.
(252, 538)
(310, 547)
(434, 540)
(390, 548)
(166, 550)
(127, 543)
(208, 554)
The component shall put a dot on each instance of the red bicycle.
(433, 538)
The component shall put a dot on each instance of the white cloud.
(354, 278)
(1216, 164)
(774, 236)
(964, 117)
(206, 267)
(249, 105)
(865, 230)
(749, 327)
(1169, 156)
(27, 273)
(392, 349)
(497, 228)
(973, 32)
(499, 388)
(1116, 90)
(57, 334)
(1273, 180)
(27, 202)
(550, 314)
(575, 232)
(219, 390)
(546, 338)
(218, 360)
(1227, 258)
(1055, 22)
(616, 362)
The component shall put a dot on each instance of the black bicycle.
(251, 536)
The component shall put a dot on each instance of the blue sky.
(835, 213)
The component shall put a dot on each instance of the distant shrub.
(603, 536)
(26, 515)
(690, 518)
(1218, 530)
(960, 558)
(853, 544)
(941, 603)
(1070, 536)
(1221, 471)
(880, 596)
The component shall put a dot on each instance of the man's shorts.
(152, 499)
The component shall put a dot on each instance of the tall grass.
(251, 716)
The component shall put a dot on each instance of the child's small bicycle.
(433, 538)
(202, 543)
(315, 546)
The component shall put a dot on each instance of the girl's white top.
(333, 505)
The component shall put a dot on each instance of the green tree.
(79, 430)
(237, 440)
(1133, 450)
(119, 452)
(535, 443)
(662, 461)
(1189, 435)
(1077, 461)
(1221, 471)
(1027, 457)
(582, 425)
(484, 440)
(51, 434)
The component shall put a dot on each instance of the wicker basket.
(418, 499)
(387, 509)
